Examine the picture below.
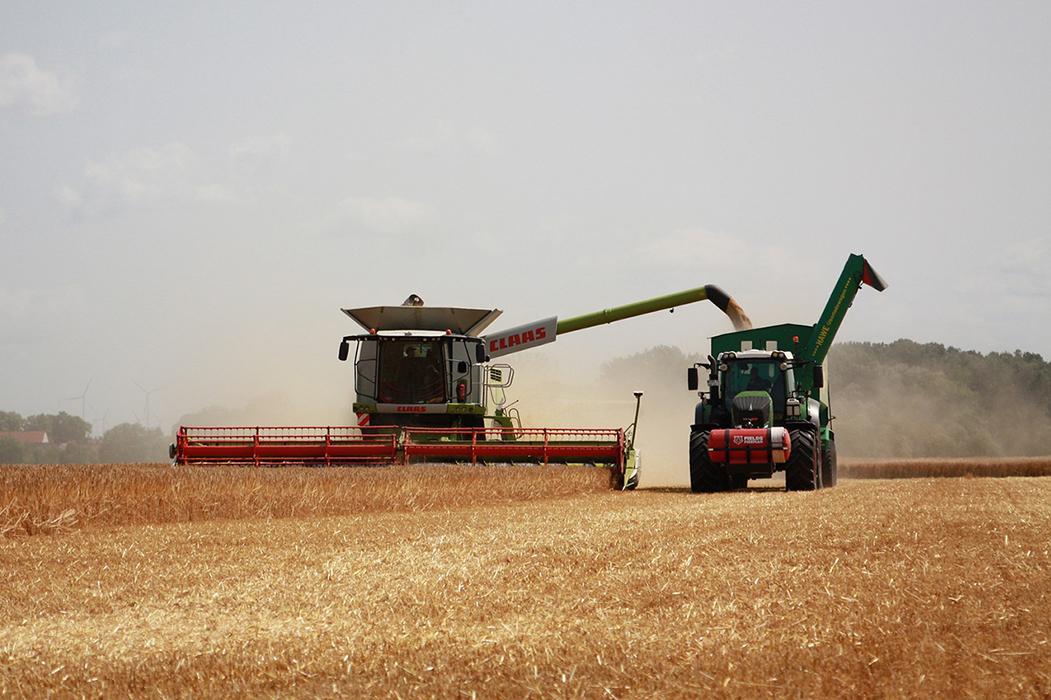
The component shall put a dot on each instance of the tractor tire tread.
(829, 466)
(802, 473)
(705, 475)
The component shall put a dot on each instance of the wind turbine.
(147, 392)
(82, 397)
(99, 421)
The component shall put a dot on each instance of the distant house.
(26, 437)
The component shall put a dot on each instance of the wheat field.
(964, 466)
(535, 583)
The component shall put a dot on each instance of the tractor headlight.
(792, 408)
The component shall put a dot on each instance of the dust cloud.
(911, 400)
(551, 395)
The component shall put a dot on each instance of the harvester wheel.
(829, 468)
(705, 476)
(801, 472)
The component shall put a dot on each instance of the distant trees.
(60, 427)
(11, 451)
(908, 399)
(131, 442)
(11, 421)
(69, 441)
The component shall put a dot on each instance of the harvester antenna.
(635, 423)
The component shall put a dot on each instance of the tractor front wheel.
(705, 476)
(801, 472)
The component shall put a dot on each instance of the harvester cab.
(766, 408)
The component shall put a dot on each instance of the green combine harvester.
(766, 405)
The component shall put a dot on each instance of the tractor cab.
(755, 386)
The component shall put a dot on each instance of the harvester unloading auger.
(428, 391)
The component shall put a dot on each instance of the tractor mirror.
(461, 367)
(691, 378)
(479, 353)
(819, 376)
(344, 350)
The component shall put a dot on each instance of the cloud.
(170, 173)
(261, 147)
(3, 217)
(1021, 269)
(384, 214)
(682, 247)
(114, 40)
(444, 139)
(29, 315)
(484, 142)
(25, 85)
(69, 197)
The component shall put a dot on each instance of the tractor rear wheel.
(739, 482)
(705, 476)
(829, 467)
(801, 472)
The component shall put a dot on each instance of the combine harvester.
(427, 390)
(767, 406)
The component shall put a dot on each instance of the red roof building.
(26, 437)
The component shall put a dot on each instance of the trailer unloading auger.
(427, 390)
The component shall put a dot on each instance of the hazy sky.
(190, 191)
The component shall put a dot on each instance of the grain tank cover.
(424, 318)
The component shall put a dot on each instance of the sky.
(190, 191)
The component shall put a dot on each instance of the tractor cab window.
(411, 372)
(762, 375)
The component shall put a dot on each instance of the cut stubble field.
(520, 582)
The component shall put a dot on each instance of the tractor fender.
(813, 410)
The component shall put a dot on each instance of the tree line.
(70, 441)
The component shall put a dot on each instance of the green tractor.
(766, 407)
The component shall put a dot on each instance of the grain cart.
(427, 390)
(766, 407)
